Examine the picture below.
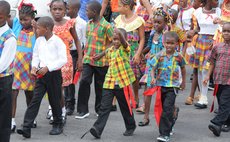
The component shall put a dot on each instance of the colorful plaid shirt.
(119, 72)
(97, 35)
(168, 69)
(220, 57)
(142, 11)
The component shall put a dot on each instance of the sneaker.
(200, 106)
(129, 132)
(57, 129)
(49, 114)
(163, 138)
(210, 88)
(82, 115)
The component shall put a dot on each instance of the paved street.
(191, 126)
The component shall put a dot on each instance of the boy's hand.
(182, 86)
(33, 71)
(153, 81)
(79, 65)
(42, 71)
(96, 57)
(205, 81)
(136, 59)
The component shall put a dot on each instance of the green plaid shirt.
(97, 35)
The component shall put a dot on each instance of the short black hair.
(171, 34)
(76, 3)
(51, 4)
(95, 6)
(46, 21)
(5, 7)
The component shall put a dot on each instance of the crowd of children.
(148, 44)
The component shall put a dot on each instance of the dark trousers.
(84, 88)
(69, 91)
(223, 116)
(51, 83)
(106, 104)
(168, 97)
(5, 108)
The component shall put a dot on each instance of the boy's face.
(226, 32)
(3, 18)
(116, 40)
(71, 11)
(183, 3)
(41, 30)
(197, 4)
(159, 23)
(89, 12)
(170, 44)
(25, 20)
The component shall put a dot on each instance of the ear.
(9, 16)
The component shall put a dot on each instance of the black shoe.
(82, 115)
(225, 128)
(57, 129)
(216, 130)
(200, 106)
(34, 124)
(13, 129)
(129, 132)
(69, 110)
(95, 132)
(24, 132)
(114, 108)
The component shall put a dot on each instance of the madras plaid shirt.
(220, 57)
(168, 69)
(97, 35)
(142, 11)
(119, 71)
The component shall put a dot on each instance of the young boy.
(49, 55)
(119, 76)
(167, 65)
(7, 54)
(99, 35)
(73, 7)
(219, 64)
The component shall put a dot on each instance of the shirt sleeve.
(213, 55)
(62, 56)
(109, 32)
(8, 53)
(35, 58)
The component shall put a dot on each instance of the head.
(226, 32)
(198, 3)
(183, 3)
(212, 3)
(126, 6)
(171, 41)
(174, 15)
(58, 9)
(160, 20)
(93, 9)
(26, 14)
(116, 37)
(4, 12)
(44, 26)
(73, 6)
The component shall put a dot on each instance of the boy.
(119, 76)
(73, 7)
(99, 35)
(219, 64)
(49, 55)
(7, 54)
(167, 65)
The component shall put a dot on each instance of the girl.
(65, 29)
(155, 45)
(203, 21)
(134, 25)
(24, 33)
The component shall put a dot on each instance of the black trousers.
(223, 116)
(84, 88)
(51, 83)
(168, 97)
(5, 107)
(69, 91)
(106, 104)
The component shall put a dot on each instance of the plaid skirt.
(67, 72)
(199, 59)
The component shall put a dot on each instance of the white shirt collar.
(3, 29)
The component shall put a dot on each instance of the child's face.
(41, 30)
(226, 32)
(71, 11)
(170, 44)
(215, 3)
(89, 12)
(25, 21)
(122, 8)
(116, 40)
(3, 18)
(159, 23)
(197, 4)
(183, 3)
(58, 10)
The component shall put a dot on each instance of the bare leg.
(194, 83)
(14, 102)
(135, 90)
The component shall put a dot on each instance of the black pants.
(69, 91)
(5, 108)
(106, 104)
(223, 116)
(168, 97)
(52, 84)
(84, 88)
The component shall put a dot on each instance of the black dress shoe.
(95, 132)
(56, 130)
(129, 132)
(13, 129)
(216, 130)
(200, 106)
(24, 132)
(225, 128)
(143, 123)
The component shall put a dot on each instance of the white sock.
(13, 122)
(63, 111)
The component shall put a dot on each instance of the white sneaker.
(163, 138)
(82, 115)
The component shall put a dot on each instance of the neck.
(227, 42)
(96, 19)
(208, 7)
(169, 53)
(48, 36)
(128, 14)
(3, 25)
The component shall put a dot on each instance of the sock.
(63, 111)
(13, 122)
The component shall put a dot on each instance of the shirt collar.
(174, 54)
(4, 28)
(101, 21)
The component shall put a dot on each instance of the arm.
(153, 81)
(141, 32)
(8, 53)
(147, 5)
(210, 70)
(103, 7)
(183, 73)
(78, 46)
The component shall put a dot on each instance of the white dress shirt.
(80, 27)
(50, 53)
(9, 50)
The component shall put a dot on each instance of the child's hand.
(182, 86)
(136, 59)
(153, 81)
(34, 24)
(96, 57)
(205, 81)
(191, 34)
(33, 71)
(79, 65)
(42, 71)
(217, 21)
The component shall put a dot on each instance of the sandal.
(143, 123)
(189, 101)
(141, 109)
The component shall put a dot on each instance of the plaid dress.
(23, 80)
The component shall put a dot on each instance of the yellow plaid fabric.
(119, 72)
